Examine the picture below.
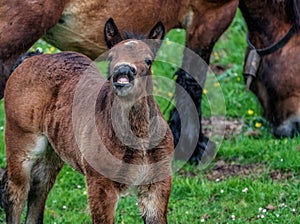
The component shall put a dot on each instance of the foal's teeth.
(123, 80)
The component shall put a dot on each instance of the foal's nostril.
(133, 70)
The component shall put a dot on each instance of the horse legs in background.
(182, 117)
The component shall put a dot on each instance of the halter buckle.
(251, 67)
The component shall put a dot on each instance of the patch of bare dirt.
(222, 171)
(218, 69)
(226, 127)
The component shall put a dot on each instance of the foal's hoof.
(204, 153)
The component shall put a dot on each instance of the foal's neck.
(267, 22)
(138, 115)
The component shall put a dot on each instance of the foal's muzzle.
(123, 79)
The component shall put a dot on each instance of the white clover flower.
(245, 190)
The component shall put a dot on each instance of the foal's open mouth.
(123, 83)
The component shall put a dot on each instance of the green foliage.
(195, 198)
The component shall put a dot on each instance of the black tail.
(23, 57)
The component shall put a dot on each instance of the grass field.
(253, 179)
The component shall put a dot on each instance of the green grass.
(195, 198)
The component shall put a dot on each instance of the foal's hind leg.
(22, 148)
(43, 176)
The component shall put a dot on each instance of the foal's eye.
(148, 61)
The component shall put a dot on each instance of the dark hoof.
(204, 153)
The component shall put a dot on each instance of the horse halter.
(254, 57)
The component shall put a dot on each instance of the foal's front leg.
(153, 201)
(103, 196)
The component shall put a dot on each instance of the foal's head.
(130, 60)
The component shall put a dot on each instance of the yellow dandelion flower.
(204, 91)
(216, 55)
(258, 124)
(238, 79)
(52, 49)
(250, 112)
(216, 84)
(170, 94)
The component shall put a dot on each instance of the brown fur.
(80, 24)
(277, 84)
(79, 29)
(21, 24)
(40, 134)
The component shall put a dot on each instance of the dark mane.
(292, 8)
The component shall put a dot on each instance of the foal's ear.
(111, 33)
(158, 31)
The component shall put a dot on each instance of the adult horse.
(79, 25)
(272, 68)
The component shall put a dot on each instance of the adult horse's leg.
(203, 27)
(188, 138)
(21, 24)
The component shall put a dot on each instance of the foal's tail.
(23, 57)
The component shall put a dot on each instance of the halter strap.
(276, 46)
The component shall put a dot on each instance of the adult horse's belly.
(81, 25)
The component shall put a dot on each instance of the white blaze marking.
(131, 42)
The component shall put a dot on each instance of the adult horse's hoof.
(204, 153)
